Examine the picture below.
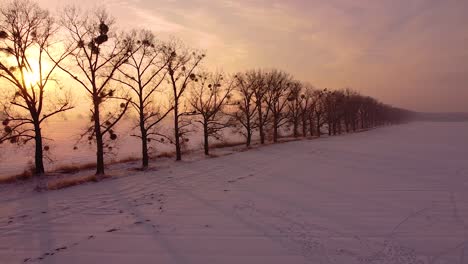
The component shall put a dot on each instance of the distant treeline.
(123, 72)
(439, 117)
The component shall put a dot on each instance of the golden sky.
(409, 53)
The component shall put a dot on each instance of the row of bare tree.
(274, 101)
(133, 72)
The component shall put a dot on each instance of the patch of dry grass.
(24, 176)
(72, 169)
(165, 155)
(227, 144)
(65, 183)
(126, 160)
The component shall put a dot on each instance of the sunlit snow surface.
(392, 195)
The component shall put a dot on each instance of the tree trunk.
(143, 131)
(176, 131)
(311, 126)
(275, 129)
(296, 127)
(319, 133)
(260, 124)
(99, 140)
(304, 126)
(144, 146)
(205, 138)
(39, 155)
(249, 136)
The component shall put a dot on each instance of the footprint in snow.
(61, 248)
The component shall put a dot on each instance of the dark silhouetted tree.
(306, 109)
(209, 97)
(277, 98)
(181, 66)
(294, 105)
(99, 53)
(334, 105)
(143, 73)
(351, 110)
(27, 39)
(259, 82)
(245, 107)
(317, 112)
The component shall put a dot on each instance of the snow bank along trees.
(151, 81)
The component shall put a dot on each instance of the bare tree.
(246, 108)
(208, 99)
(259, 83)
(351, 109)
(143, 73)
(26, 41)
(98, 55)
(367, 112)
(181, 67)
(277, 94)
(329, 103)
(295, 101)
(305, 109)
(334, 105)
(317, 112)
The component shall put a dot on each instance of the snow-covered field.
(392, 195)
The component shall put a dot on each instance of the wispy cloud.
(386, 48)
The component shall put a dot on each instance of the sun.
(32, 76)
